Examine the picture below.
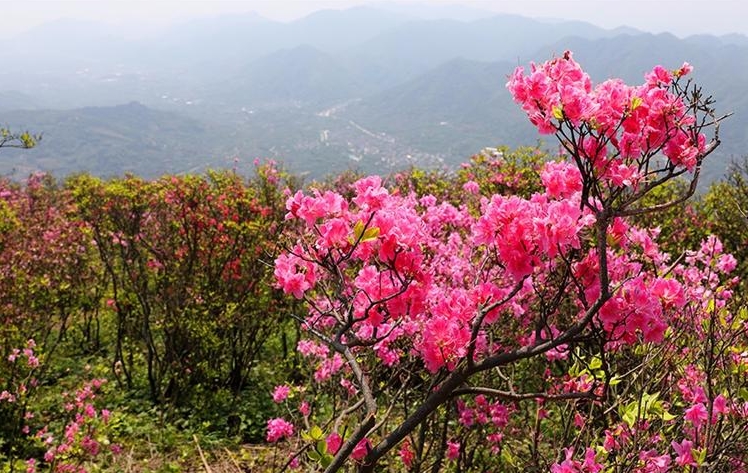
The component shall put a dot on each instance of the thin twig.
(202, 457)
(233, 460)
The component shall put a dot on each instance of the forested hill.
(363, 87)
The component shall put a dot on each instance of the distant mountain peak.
(430, 11)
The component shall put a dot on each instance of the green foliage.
(24, 140)
(495, 170)
(681, 226)
(724, 211)
(505, 171)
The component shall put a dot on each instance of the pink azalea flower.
(406, 454)
(684, 452)
(697, 415)
(590, 464)
(280, 393)
(334, 441)
(727, 263)
(654, 463)
(278, 429)
(361, 450)
(453, 450)
(684, 70)
(471, 187)
(720, 405)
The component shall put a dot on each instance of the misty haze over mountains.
(367, 87)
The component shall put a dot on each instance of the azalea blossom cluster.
(83, 437)
(24, 363)
(400, 282)
(83, 434)
(410, 264)
(612, 127)
(409, 268)
(278, 428)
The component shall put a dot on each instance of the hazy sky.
(681, 17)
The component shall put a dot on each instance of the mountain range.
(366, 87)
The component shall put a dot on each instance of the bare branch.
(511, 396)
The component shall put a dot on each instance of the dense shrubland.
(571, 313)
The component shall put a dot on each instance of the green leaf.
(699, 454)
(321, 447)
(358, 230)
(558, 113)
(313, 455)
(636, 102)
(629, 416)
(316, 433)
(370, 234)
(326, 460)
(363, 234)
(595, 363)
(507, 457)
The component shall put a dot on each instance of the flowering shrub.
(84, 440)
(538, 321)
(18, 371)
(163, 286)
(190, 289)
(68, 437)
(47, 277)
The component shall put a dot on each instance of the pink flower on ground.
(278, 429)
(453, 450)
(406, 454)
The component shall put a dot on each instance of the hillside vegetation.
(153, 300)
